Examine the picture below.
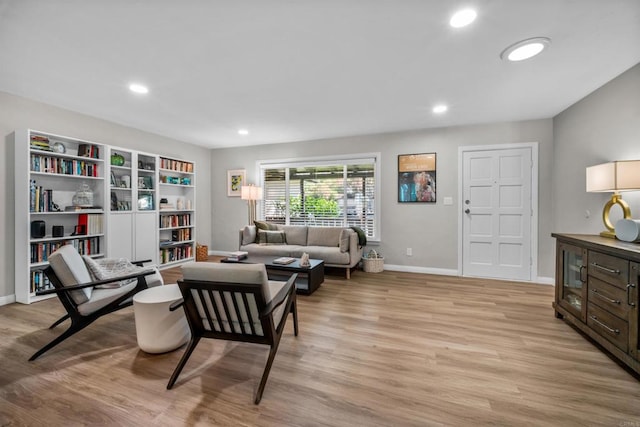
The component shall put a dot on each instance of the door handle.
(467, 211)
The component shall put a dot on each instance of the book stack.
(88, 150)
(237, 256)
(283, 260)
(40, 143)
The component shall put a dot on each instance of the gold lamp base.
(616, 199)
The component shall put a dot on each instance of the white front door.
(497, 213)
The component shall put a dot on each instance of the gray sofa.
(337, 246)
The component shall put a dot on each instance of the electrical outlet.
(409, 252)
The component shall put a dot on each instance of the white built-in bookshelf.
(176, 234)
(104, 200)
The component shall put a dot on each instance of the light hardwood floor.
(387, 349)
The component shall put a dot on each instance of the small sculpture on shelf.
(83, 197)
(304, 260)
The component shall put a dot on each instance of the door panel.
(496, 225)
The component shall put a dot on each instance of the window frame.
(337, 160)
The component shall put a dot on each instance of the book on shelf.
(284, 260)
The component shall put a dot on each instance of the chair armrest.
(96, 283)
(280, 296)
(140, 262)
(176, 305)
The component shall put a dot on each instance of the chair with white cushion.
(86, 299)
(235, 302)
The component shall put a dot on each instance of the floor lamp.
(251, 194)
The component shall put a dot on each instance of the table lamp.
(251, 194)
(617, 176)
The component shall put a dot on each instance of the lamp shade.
(251, 192)
(614, 176)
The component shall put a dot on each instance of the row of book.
(60, 166)
(176, 165)
(39, 281)
(40, 251)
(181, 234)
(168, 221)
(90, 224)
(88, 150)
(41, 200)
(168, 255)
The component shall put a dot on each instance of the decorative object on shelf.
(114, 181)
(614, 177)
(83, 197)
(185, 181)
(180, 203)
(235, 181)
(125, 182)
(57, 231)
(117, 159)
(145, 202)
(417, 178)
(373, 262)
(38, 229)
(251, 194)
(59, 148)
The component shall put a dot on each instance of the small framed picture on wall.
(235, 181)
(417, 178)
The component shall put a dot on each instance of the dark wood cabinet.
(597, 291)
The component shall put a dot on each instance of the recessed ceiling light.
(462, 18)
(525, 49)
(243, 132)
(138, 88)
(439, 109)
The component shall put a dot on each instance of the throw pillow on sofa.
(264, 225)
(271, 237)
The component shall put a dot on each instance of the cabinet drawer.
(609, 326)
(609, 269)
(611, 298)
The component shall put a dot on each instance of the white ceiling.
(292, 70)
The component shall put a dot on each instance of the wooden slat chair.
(78, 294)
(235, 302)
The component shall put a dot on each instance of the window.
(331, 192)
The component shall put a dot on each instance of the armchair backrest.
(225, 301)
(70, 270)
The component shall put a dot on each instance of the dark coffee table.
(309, 278)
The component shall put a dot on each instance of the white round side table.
(159, 330)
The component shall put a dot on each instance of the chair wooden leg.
(267, 369)
(60, 320)
(183, 361)
(63, 336)
(294, 310)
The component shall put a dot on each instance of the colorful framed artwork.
(235, 181)
(417, 178)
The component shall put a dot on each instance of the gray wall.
(431, 230)
(602, 127)
(20, 113)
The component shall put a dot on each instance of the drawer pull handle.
(603, 268)
(629, 302)
(611, 330)
(599, 295)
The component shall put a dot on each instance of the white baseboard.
(422, 270)
(9, 299)
(545, 280)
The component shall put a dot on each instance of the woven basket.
(373, 263)
(202, 253)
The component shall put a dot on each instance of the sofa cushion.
(271, 237)
(344, 239)
(324, 236)
(296, 234)
(248, 234)
(71, 270)
(264, 225)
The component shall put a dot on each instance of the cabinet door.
(121, 236)
(146, 229)
(571, 275)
